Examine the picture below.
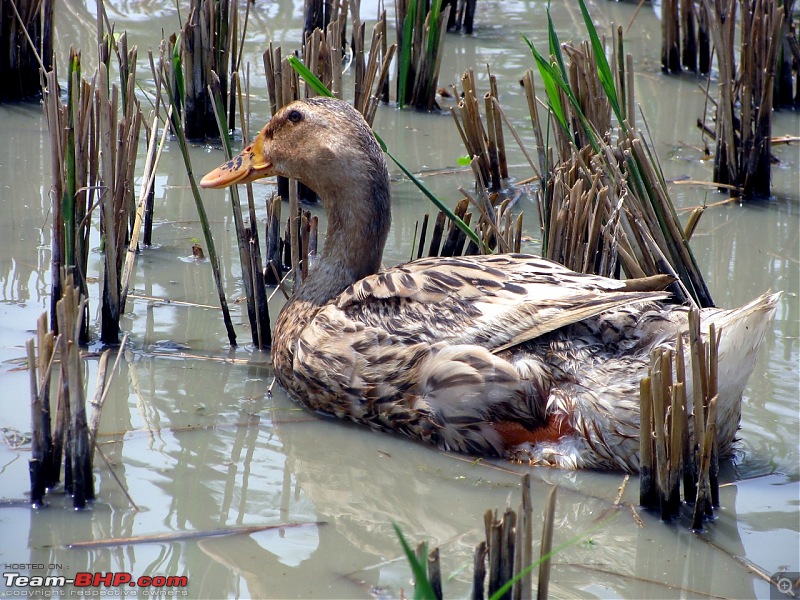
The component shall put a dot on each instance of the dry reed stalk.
(39, 369)
(670, 36)
(479, 571)
(36, 461)
(95, 140)
(163, 71)
(72, 424)
(294, 229)
(435, 573)
(206, 42)
(685, 436)
(543, 584)
(318, 14)
(368, 74)
(605, 207)
(648, 486)
(788, 74)
(484, 143)
(246, 236)
(744, 107)
(144, 206)
(322, 54)
(117, 207)
(684, 37)
(274, 270)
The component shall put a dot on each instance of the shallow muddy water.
(196, 440)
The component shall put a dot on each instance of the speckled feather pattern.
(411, 350)
(508, 355)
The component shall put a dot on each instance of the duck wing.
(415, 348)
(494, 301)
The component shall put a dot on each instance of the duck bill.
(249, 165)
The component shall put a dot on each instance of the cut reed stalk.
(372, 72)
(605, 207)
(484, 143)
(206, 42)
(543, 584)
(274, 269)
(684, 453)
(744, 106)
(435, 573)
(71, 431)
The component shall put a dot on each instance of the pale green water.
(199, 445)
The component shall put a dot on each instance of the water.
(190, 430)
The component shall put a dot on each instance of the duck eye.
(295, 116)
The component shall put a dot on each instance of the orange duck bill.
(249, 165)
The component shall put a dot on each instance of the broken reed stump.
(371, 74)
(678, 438)
(588, 169)
(68, 433)
(26, 43)
(208, 44)
(744, 102)
(483, 142)
(495, 225)
(507, 553)
(420, 45)
(685, 42)
(318, 14)
(462, 15)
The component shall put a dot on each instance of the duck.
(496, 355)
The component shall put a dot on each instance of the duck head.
(322, 142)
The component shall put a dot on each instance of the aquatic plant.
(604, 206)
(420, 41)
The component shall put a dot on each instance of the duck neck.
(359, 217)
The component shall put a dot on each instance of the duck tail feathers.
(742, 333)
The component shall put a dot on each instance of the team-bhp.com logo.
(96, 584)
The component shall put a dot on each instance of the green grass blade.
(177, 69)
(309, 77)
(550, 79)
(553, 81)
(555, 45)
(603, 68)
(405, 54)
(423, 590)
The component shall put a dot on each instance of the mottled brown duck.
(498, 355)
